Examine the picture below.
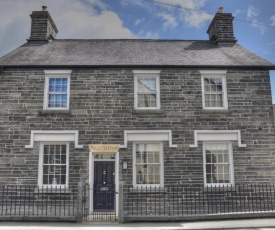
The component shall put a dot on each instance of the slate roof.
(132, 52)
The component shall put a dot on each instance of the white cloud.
(190, 4)
(74, 19)
(138, 21)
(191, 12)
(195, 19)
(148, 34)
(252, 14)
(80, 25)
(236, 12)
(272, 18)
(188, 11)
(169, 20)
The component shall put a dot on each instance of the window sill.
(55, 112)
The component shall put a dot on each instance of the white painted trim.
(91, 179)
(217, 135)
(53, 135)
(40, 167)
(52, 74)
(147, 135)
(161, 166)
(56, 72)
(146, 74)
(215, 73)
(231, 164)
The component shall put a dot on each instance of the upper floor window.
(218, 163)
(53, 166)
(148, 164)
(214, 92)
(147, 90)
(57, 90)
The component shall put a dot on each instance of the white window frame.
(135, 185)
(146, 74)
(40, 167)
(215, 74)
(56, 74)
(231, 164)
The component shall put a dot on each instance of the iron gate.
(99, 203)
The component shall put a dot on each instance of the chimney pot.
(44, 8)
(221, 10)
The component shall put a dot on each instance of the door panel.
(104, 185)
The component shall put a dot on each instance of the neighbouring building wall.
(102, 107)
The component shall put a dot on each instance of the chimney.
(43, 28)
(220, 29)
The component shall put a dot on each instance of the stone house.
(146, 112)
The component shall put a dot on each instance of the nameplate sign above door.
(104, 148)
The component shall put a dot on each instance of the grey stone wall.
(102, 107)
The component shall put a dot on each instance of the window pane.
(64, 85)
(138, 157)
(156, 157)
(57, 93)
(54, 164)
(226, 160)
(141, 100)
(45, 179)
(213, 90)
(51, 84)
(147, 164)
(217, 163)
(64, 100)
(146, 85)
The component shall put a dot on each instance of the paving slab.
(258, 224)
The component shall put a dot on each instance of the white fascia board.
(146, 72)
(213, 72)
(147, 135)
(217, 135)
(53, 135)
(57, 71)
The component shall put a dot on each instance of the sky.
(254, 23)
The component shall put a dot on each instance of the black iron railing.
(34, 201)
(99, 203)
(194, 200)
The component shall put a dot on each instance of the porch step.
(101, 217)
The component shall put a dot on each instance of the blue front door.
(104, 185)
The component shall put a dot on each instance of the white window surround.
(161, 166)
(231, 165)
(215, 74)
(217, 135)
(147, 135)
(40, 168)
(53, 136)
(145, 74)
(56, 74)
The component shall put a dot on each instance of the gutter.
(268, 67)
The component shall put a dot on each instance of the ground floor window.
(53, 164)
(148, 164)
(218, 163)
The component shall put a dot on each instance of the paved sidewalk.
(259, 224)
